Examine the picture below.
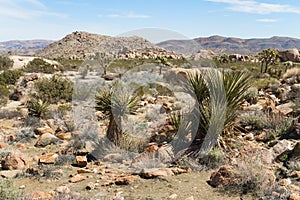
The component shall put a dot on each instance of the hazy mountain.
(23, 47)
(230, 45)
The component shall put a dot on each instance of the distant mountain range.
(80, 44)
(23, 47)
(230, 45)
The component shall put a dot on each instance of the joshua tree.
(218, 96)
(268, 57)
(103, 60)
(163, 61)
(115, 103)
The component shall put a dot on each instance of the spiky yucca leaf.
(103, 101)
(37, 108)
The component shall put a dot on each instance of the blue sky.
(53, 19)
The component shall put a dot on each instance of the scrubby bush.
(54, 90)
(4, 92)
(37, 108)
(10, 77)
(8, 190)
(39, 65)
(5, 63)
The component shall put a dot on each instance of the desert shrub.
(37, 108)
(39, 65)
(10, 77)
(25, 135)
(31, 121)
(10, 114)
(219, 96)
(214, 159)
(66, 160)
(265, 83)
(8, 190)
(292, 72)
(4, 93)
(54, 90)
(68, 64)
(5, 63)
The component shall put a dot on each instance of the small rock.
(42, 195)
(125, 179)
(10, 173)
(47, 139)
(156, 172)
(64, 136)
(81, 161)
(286, 109)
(63, 190)
(113, 157)
(90, 186)
(22, 187)
(83, 171)
(261, 137)
(190, 198)
(249, 136)
(41, 131)
(49, 158)
(77, 178)
(294, 196)
(3, 145)
(172, 196)
(222, 176)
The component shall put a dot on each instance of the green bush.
(5, 63)
(54, 90)
(8, 190)
(4, 92)
(10, 77)
(37, 108)
(39, 65)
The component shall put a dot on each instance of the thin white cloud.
(252, 6)
(267, 20)
(25, 9)
(129, 15)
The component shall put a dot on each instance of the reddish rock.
(41, 131)
(64, 136)
(3, 145)
(49, 158)
(156, 172)
(223, 176)
(77, 178)
(81, 161)
(42, 195)
(125, 179)
(13, 162)
(84, 171)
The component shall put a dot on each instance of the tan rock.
(285, 109)
(156, 172)
(125, 179)
(13, 162)
(190, 198)
(47, 139)
(41, 131)
(10, 173)
(172, 196)
(90, 186)
(42, 195)
(294, 196)
(64, 136)
(261, 137)
(3, 145)
(49, 158)
(81, 161)
(223, 176)
(77, 178)
(63, 190)
(84, 171)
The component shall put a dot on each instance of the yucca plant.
(116, 103)
(218, 96)
(37, 108)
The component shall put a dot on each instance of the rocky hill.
(80, 45)
(230, 45)
(23, 47)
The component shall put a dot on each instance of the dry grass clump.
(292, 72)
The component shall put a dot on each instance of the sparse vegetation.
(37, 108)
(5, 63)
(54, 90)
(8, 190)
(10, 77)
(39, 65)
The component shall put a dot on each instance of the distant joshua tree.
(103, 60)
(268, 57)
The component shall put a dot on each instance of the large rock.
(47, 139)
(49, 158)
(290, 55)
(156, 172)
(14, 161)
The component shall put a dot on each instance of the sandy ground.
(20, 61)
